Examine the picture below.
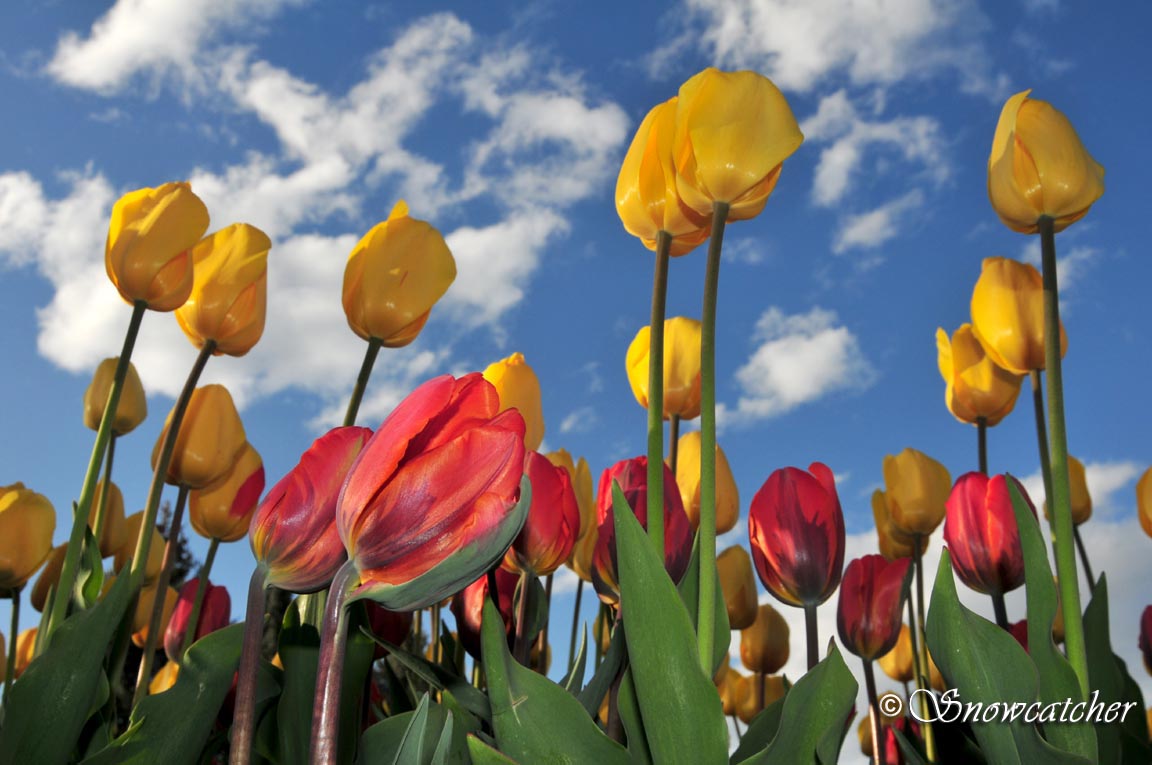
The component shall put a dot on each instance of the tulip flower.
(27, 522)
(394, 275)
(229, 291)
(1008, 315)
(223, 510)
(209, 442)
(688, 479)
(1146, 637)
(900, 663)
(982, 536)
(731, 689)
(518, 388)
(581, 478)
(646, 197)
(144, 605)
(148, 254)
(1038, 167)
(390, 626)
(764, 646)
(681, 367)
(49, 577)
(468, 608)
(872, 599)
(164, 679)
(748, 705)
(733, 132)
(553, 522)
(25, 650)
(916, 488)
(1080, 499)
(215, 614)
(154, 556)
(893, 542)
(112, 535)
(132, 407)
(977, 389)
(1144, 501)
(632, 476)
(738, 583)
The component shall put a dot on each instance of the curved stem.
(810, 630)
(673, 442)
(656, 394)
(918, 555)
(13, 634)
(1042, 436)
(435, 647)
(330, 673)
(982, 443)
(921, 671)
(105, 489)
(84, 504)
(523, 645)
(575, 624)
(1084, 557)
(542, 638)
(362, 381)
(244, 714)
(874, 713)
(736, 725)
(1000, 610)
(198, 603)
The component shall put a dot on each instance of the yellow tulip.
(916, 488)
(733, 132)
(602, 628)
(748, 705)
(143, 615)
(1008, 315)
(394, 276)
(224, 509)
(1038, 167)
(681, 367)
(164, 679)
(738, 583)
(646, 197)
(133, 405)
(893, 542)
(49, 577)
(582, 552)
(519, 388)
(25, 649)
(148, 254)
(155, 557)
(27, 522)
(899, 663)
(1144, 501)
(731, 689)
(112, 537)
(230, 290)
(1080, 499)
(580, 561)
(976, 387)
(764, 646)
(688, 480)
(210, 439)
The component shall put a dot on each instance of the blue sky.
(505, 126)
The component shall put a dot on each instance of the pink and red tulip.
(468, 608)
(981, 534)
(632, 476)
(553, 522)
(215, 614)
(390, 626)
(1146, 637)
(797, 533)
(293, 532)
(432, 501)
(871, 606)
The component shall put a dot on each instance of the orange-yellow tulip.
(210, 439)
(916, 488)
(893, 542)
(519, 388)
(49, 576)
(1144, 501)
(738, 583)
(899, 663)
(681, 367)
(581, 478)
(224, 509)
(133, 405)
(155, 557)
(748, 705)
(1080, 499)
(975, 386)
(25, 648)
(1008, 315)
(112, 536)
(164, 679)
(27, 522)
(688, 479)
(764, 646)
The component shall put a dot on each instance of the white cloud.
(1105, 480)
(580, 420)
(1070, 266)
(874, 228)
(746, 250)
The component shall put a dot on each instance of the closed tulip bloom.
(1008, 315)
(1038, 167)
(975, 386)
(150, 237)
(25, 649)
(581, 477)
(429, 504)
(394, 275)
(796, 530)
(1079, 498)
(738, 583)
(872, 597)
(215, 614)
(468, 608)
(688, 479)
(749, 706)
(144, 604)
(583, 553)
(681, 367)
(155, 557)
(916, 488)
(982, 535)
(553, 521)
(49, 577)
(223, 510)
(293, 533)
(518, 388)
(899, 663)
(1144, 501)
(646, 197)
(731, 689)
(230, 290)
(893, 542)
(133, 405)
(390, 626)
(764, 646)
(27, 522)
(164, 679)
(210, 439)
(112, 537)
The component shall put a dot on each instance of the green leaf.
(381, 742)
(760, 731)
(51, 700)
(593, 694)
(90, 575)
(440, 678)
(908, 751)
(689, 588)
(535, 720)
(629, 710)
(575, 676)
(482, 754)
(682, 715)
(418, 742)
(171, 727)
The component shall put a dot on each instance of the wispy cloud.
(873, 228)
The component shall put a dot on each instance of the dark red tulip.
(872, 604)
(909, 728)
(553, 522)
(981, 534)
(390, 626)
(632, 475)
(468, 608)
(1019, 630)
(1146, 637)
(215, 614)
(797, 533)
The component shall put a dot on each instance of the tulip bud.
(132, 407)
(390, 626)
(764, 646)
(1079, 498)
(210, 439)
(1038, 167)
(144, 605)
(49, 577)
(164, 679)
(899, 663)
(1008, 315)
(796, 529)
(155, 558)
(872, 597)
(583, 553)
(688, 479)
(224, 509)
(112, 536)
(148, 254)
(893, 542)
(215, 614)
(229, 290)
(1144, 501)
(468, 608)
(25, 650)
(549, 533)
(27, 522)
(580, 560)
(749, 705)
(394, 276)
(1146, 637)
(518, 388)
(916, 489)
(681, 367)
(975, 386)
(982, 536)
(738, 583)
(733, 132)
(732, 691)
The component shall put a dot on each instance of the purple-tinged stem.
(244, 716)
(330, 672)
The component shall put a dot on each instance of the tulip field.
(404, 602)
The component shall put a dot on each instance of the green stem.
(244, 714)
(920, 670)
(656, 394)
(105, 490)
(1061, 506)
(673, 442)
(362, 381)
(333, 646)
(918, 557)
(1001, 610)
(435, 647)
(575, 623)
(523, 645)
(198, 603)
(982, 444)
(542, 638)
(84, 503)
(706, 613)
(13, 634)
(810, 630)
(736, 725)
(1042, 436)
(1084, 557)
(874, 713)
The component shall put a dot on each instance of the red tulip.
(293, 532)
(981, 534)
(871, 604)
(390, 626)
(797, 533)
(1019, 630)
(468, 608)
(909, 728)
(553, 522)
(215, 614)
(1146, 637)
(432, 501)
(632, 475)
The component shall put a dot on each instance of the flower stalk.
(330, 675)
(105, 488)
(656, 394)
(575, 623)
(873, 713)
(362, 380)
(244, 716)
(10, 669)
(673, 441)
(810, 631)
(921, 647)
